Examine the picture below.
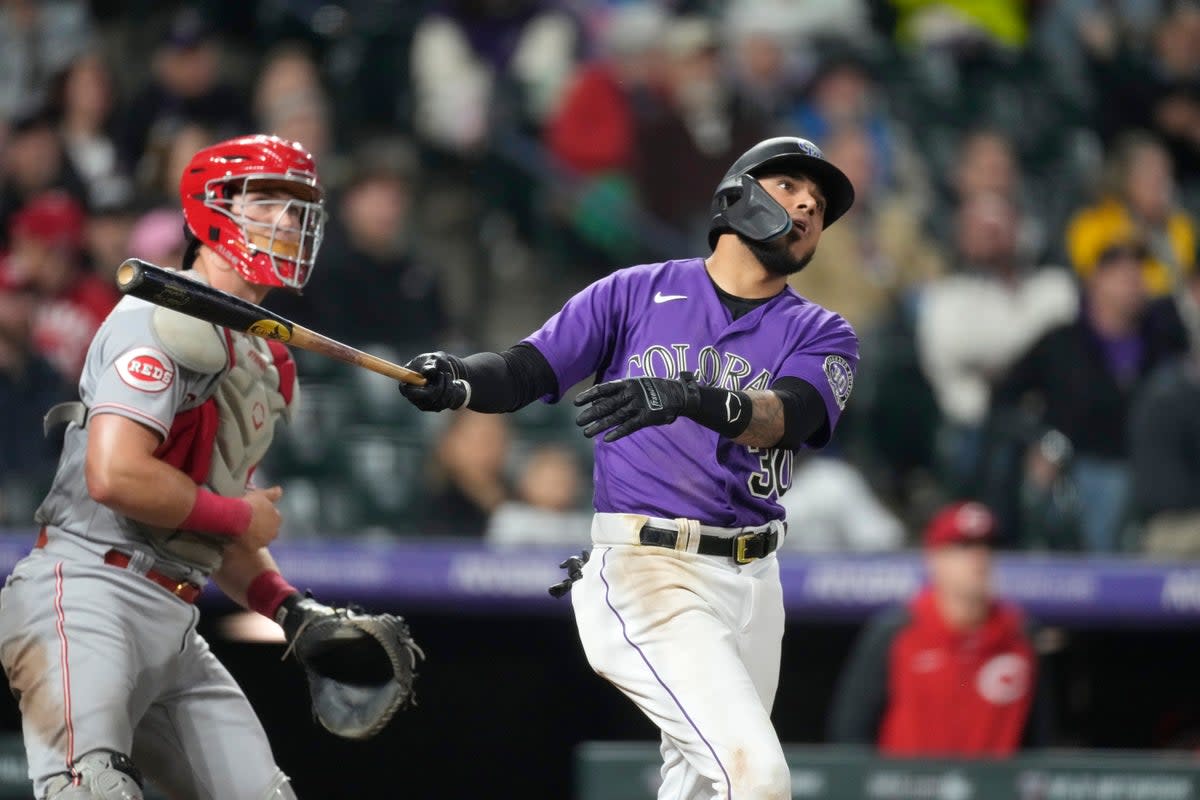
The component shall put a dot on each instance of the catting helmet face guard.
(742, 205)
(230, 194)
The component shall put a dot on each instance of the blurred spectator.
(831, 508)
(1164, 439)
(768, 64)
(468, 54)
(801, 21)
(167, 154)
(1156, 88)
(44, 260)
(185, 86)
(33, 162)
(682, 152)
(960, 26)
(974, 324)
(1078, 379)
(370, 252)
(878, 258)
(37, 39)
(466, 481)
(157, 236)
(547, 507)
(290, 101)
(591, 131)
(1139, 193)
(82, 100)
(986, 162)
(106, 239)
(954, 671)
(844, 91)
(29, 386)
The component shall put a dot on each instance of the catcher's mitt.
(360, 667)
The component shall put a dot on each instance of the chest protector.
(257, 386)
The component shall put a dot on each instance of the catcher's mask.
(275, 253)
(742, 205)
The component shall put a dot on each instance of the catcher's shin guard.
(102, 775)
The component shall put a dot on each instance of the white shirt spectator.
(516, 523)
(830, 507)
(972, 328)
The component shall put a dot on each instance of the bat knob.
(129, 274)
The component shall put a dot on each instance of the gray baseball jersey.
(100, 657)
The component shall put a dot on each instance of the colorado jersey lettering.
(614, 329)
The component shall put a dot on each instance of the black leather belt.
(742, 548)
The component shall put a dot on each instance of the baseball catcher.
(360, 667)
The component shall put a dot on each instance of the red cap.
(52, 218)
(961, 523)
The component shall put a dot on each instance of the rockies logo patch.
(146, 369)
(841, 379)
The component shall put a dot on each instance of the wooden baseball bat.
(179, 293)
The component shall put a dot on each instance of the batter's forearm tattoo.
(766, 420)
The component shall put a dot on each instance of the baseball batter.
(153, 496)
(710, 374)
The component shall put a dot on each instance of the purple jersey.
(659, 320)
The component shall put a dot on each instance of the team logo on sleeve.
(1003, 679)
(841, 379)
(146, 369)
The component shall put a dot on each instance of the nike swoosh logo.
(659, 297)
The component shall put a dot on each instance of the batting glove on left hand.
(444, 386)
(631, 404)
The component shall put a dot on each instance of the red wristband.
(213, 513)
(267, 591)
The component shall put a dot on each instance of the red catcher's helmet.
(270, 253)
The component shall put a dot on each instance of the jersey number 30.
(774, 474)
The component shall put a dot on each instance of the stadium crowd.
(1019, 264)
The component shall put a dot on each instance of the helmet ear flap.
(741, 203)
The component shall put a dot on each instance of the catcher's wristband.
(214, 513)
(267, 592)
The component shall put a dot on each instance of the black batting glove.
(444, 386)
(574, 568)
(628, 405)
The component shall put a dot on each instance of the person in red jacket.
(953, 672)
(45, 264)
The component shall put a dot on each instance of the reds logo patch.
(146, 369)
(1004, 679)
(841, 379)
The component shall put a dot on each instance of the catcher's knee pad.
(102, 775)
(280, 788)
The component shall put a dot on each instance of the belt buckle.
(740, 551)
(179, 587)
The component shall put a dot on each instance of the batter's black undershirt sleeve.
(502, 382)
(804, 418)
(860, 699)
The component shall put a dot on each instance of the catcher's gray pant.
(102, 658)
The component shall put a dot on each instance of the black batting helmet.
(741, 204)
